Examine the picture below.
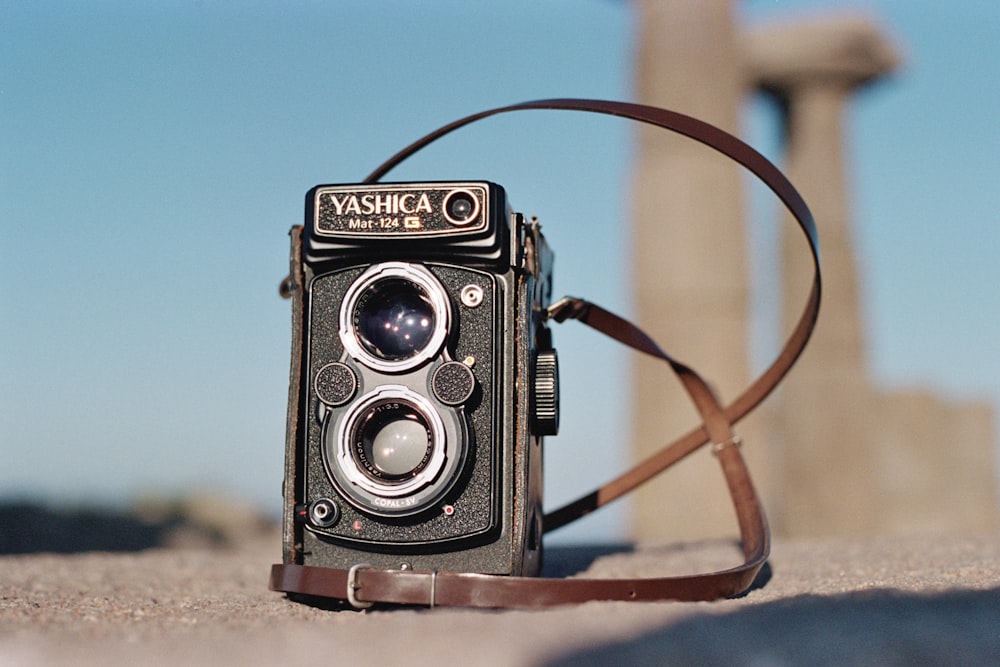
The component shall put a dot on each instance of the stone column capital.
(840, 51)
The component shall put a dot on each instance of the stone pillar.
(936, 464)
(828, 419)
(689, 247)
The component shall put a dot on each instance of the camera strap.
(362, 585)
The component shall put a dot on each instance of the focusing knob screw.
(471, 295)
(323, 513)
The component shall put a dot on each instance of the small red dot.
(356, 525)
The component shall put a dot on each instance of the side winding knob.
(546, 394)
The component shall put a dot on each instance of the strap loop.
(568, 308)
(735, 441)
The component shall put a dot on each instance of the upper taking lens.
(394, 319)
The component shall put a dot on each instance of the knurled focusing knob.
(546, 404)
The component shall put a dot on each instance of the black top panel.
(407, 220)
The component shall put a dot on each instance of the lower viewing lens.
(395, 451)
(395, 442)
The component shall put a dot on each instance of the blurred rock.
(197, 521)
(205, 519)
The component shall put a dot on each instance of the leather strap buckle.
(434, 576)
(353, 587)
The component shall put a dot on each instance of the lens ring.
(460, 207)
(394, 317)
(368, 479)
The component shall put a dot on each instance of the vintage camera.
(423, 380)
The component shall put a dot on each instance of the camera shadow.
(872, 627)
(568, 560)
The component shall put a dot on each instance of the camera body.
(423, 380)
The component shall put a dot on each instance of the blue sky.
(154, 155)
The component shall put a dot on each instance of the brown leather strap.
(363, 585)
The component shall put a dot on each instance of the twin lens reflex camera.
(423, 380)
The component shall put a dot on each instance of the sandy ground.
(886, 601)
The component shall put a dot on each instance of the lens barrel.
(396, 449)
